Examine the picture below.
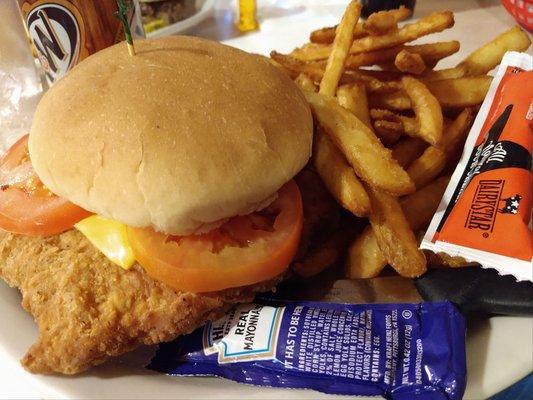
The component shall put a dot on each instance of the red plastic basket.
(522, 11)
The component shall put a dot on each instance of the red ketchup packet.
(485, 214)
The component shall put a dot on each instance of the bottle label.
(58, 34)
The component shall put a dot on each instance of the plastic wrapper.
(485, 214)
(399, 351)
(20, 85)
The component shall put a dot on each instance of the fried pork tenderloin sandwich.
(153, 192)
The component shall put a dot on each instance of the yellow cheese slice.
(110, 237)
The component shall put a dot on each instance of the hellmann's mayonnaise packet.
(398, 351)
(485, 214)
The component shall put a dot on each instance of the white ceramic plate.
(499, 350)
(204, 9)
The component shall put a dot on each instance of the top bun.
(184, 134)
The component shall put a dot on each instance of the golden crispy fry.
(379, 113)
(409, 125)
(455, 137)
(460, 92)
(388, 132)
(407, 150)
(430, 53)
(431, 23)
(327, 35)
(427, 110)
(456, 132)
(371, 80)
(427, 167)
(420, 206)
(454, 93)
(395, 238)
(441, 74)
(353, 98)
(397, 101)
(305, 83)
(341, 46)
(323, 256)
(410, 63)
(296, 67)
(339, 176)
(365, 259)
(443, 259)
(380, 23)
(363, 150)
(433, 161)
(434, 51)
(315, 71)
(490, 55)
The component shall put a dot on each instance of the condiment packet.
(485, 214)
(399, 351)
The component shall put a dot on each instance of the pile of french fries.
(390, 127)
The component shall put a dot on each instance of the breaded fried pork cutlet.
(88, 309)
(152, 193)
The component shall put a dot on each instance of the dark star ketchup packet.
(485, 214)
(399, 351)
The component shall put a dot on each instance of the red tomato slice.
(243, 251)
(26, 205)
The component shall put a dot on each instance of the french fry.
(407, 150)
(431, 23)
(430, 53)
(427, 167)
(455, 137)
(315, 71)
(409, 125)
(453, 93)
(460, 92)
(339, 176)
(427, 110)
(365, 259)
(363, 150)
(380, 23)
(395, 238)
(327, 35)
(410, 63)
(324, 256)
(341, 45)
(490, 55)
(441, 74)
(353, 98)
(305, 83)
(420, 206)
(397, 101)
(433, 161)
(388, 132)
(456, 132)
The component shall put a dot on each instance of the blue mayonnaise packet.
(399, 351)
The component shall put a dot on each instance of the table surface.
(220, 27)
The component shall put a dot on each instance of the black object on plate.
(477, 290)
(372, 6)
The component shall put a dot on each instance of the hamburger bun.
(186, 133)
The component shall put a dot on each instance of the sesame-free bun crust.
(185, 133)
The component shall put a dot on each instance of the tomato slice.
(243, 251)
(26, 205)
